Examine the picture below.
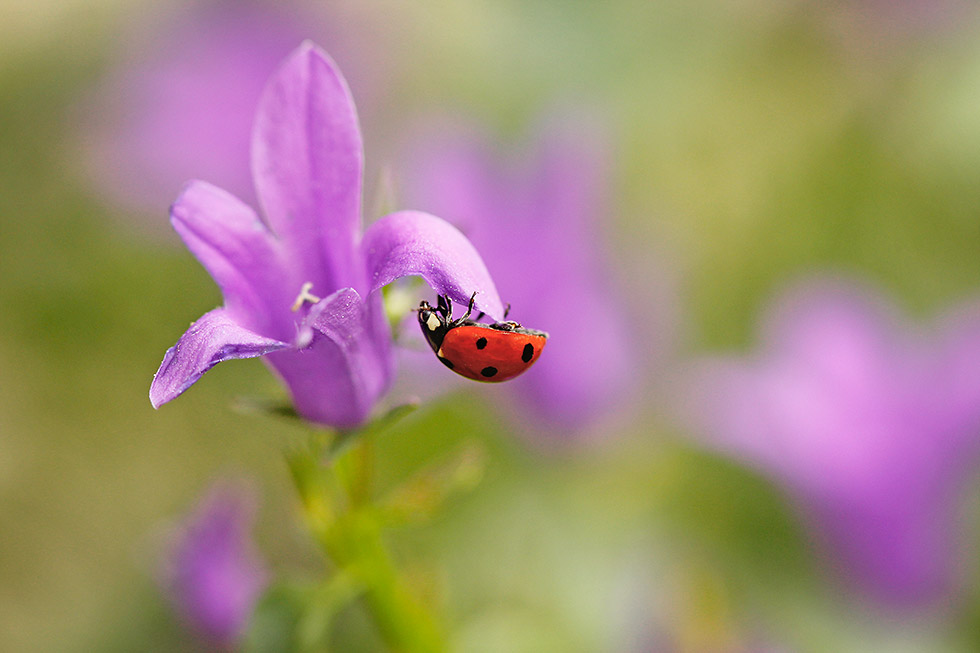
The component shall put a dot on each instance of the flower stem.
(339, 508)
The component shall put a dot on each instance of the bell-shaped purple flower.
(872, 428)
(214, 575)
(301, 288)
(181, 102)
(538, 221)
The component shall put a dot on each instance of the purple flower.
(871, 427)
(182, 106)
(214, 575)
(538, 224)
(301, 288)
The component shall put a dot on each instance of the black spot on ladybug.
(488, 371)
(481, 343)
(445, 361)
(528, 352)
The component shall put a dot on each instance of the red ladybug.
(482, 352)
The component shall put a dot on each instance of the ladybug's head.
(435, 322)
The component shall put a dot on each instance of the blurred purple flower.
(332, 350)
(872, 429)
(539, 225)
(214, 574)
(182, 105)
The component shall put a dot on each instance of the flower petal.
(307, 162)
(852, 411)
(540, 209)
(898, 541)
(214, 338)
(214, 574)
(241, 254)
(415, 243)
(955, 386)
(566, 402)
(343, 363)
(180, 98)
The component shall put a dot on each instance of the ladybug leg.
(445, 307)
(469, 307)
(469, 310)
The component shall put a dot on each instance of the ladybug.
(482, 352)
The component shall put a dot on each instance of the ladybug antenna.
(507, 310)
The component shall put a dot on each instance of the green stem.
(340, 511)
(404, 623)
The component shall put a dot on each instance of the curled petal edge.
(213, 338)
(416, 243)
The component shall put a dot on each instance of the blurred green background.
(755, 142)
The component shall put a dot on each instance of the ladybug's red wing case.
(484, 353)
